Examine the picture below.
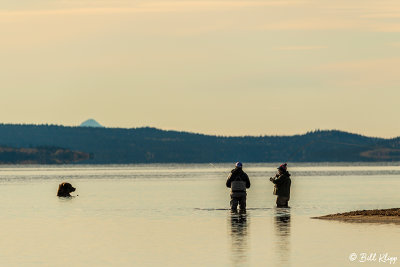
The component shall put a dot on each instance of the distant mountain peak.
(91, 123)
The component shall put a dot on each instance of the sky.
(223, 67)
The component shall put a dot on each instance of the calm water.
(177, 215)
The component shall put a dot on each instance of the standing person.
(238, 181)
(282, 184)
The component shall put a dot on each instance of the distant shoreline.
(40, 155)
(367, 216)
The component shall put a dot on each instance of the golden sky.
(215, 67)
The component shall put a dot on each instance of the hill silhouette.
(151, 145)
(90, 123)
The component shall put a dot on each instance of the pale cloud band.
(300, 48)
(111, 7)
(294, 15)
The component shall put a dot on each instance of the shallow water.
(177, 215)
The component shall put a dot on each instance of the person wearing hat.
(282, 184)
(238, 181)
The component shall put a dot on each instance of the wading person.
(238, 181)
(282, 184)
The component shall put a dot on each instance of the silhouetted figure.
(238, 181)
(282, 184)
(64, 189)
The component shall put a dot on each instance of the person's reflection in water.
(239, 235)
(282, 232)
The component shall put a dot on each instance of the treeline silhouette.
(40, 155)
(151, 145)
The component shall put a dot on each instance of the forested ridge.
(151, 145)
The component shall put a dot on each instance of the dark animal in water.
(64, 189)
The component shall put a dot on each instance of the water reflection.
(282, 235)
(239, 237)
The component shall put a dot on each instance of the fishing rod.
(216, 168)
(213, 165)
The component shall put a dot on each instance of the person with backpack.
(282, 185)
(238, 181)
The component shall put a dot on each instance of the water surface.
(177, 215)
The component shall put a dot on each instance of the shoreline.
(369, 216)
